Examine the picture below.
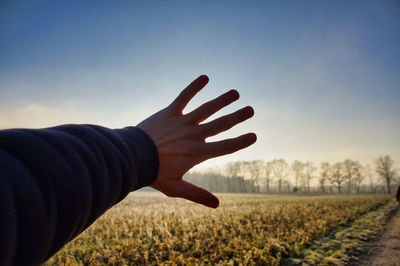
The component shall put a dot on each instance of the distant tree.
(348, 172)
(233, 171)
(233, 168)
(287, 184)
(323, 176)
(367, 172)
(385, 169)
(308, 175)
(219, 183)
(297, 168)
(280, 170)
(254, 171)
(337, 177)
(358, 175)
(268, 177)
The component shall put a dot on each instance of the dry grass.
(148, 228)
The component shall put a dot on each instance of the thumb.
(186, 190)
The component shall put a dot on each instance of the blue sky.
(323, 76)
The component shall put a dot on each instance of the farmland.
(148, 228)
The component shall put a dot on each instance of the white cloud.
(36, 115)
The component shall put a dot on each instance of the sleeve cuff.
(145, 155)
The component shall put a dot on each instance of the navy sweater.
(55, 182)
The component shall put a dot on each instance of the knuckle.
(204, 130)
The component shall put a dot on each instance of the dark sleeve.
(398, 194)
(55, 182)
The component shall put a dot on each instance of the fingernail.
(249, 110)
(213, 204)
(252, 137)
(203, 77)
(235, 94)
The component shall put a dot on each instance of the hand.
(180, 140)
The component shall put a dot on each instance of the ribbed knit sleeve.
(55, 182)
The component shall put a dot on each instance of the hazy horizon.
(323, 77)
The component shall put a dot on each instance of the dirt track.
(388, 251)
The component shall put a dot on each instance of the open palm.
(180, 140)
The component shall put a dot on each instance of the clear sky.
(322, 76)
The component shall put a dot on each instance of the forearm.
(55, 182)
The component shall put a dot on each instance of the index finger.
(227, 146)
(188, 93)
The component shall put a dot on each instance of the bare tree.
(233, 169)
(280, 170)
(337, 177)
(384, 168)
(254, 170)
(308, 175)
(368, 174)
(297, 168)
(358, 176)
(268, 177)
(323, 176)
(348, 172)
(287, 184)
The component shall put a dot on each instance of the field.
(148, 228)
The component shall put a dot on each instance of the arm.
(55, 182)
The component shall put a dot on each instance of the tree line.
(278, 176)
